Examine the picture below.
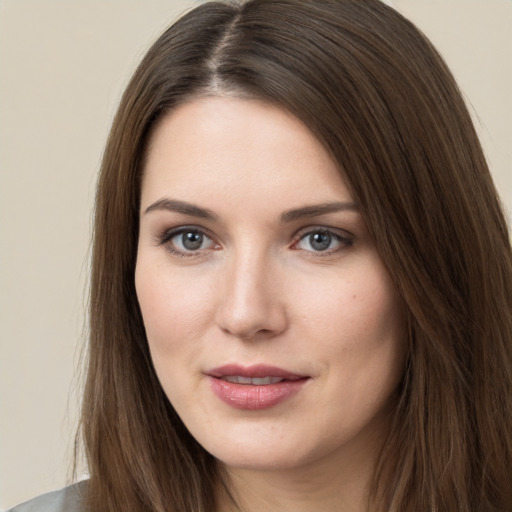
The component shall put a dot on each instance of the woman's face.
(273, 325)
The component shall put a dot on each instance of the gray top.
(65, 500)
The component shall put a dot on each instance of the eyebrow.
(174, 205)
(317, 210)
(295, 214)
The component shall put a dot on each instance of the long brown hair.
(379, 97)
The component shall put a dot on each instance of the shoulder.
(68, 499)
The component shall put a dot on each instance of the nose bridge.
(249, 304)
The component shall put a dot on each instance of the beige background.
(63, 65)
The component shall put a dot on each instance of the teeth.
(255, 381)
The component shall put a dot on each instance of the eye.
(187, 241)
(322, 240)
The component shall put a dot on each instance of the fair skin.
(273, 325)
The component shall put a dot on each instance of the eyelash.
(344, 241)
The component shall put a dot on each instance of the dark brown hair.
(379, 97)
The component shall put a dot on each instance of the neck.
(297, 491)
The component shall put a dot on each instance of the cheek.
(377, 325)
(361, 304)
(174, 309)
(175, 305)
(377, 349)
(359, 328)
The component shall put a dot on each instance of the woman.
(301, 285)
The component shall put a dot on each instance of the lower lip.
(255, 398)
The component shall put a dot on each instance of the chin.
(262, 453)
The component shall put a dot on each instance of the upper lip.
(253, 371)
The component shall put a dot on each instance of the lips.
(255, 387)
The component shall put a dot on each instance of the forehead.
(228, 147)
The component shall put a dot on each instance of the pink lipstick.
(254, 387)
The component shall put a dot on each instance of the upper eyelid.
(327, 229)
(166, 234)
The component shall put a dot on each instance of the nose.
(250, 305)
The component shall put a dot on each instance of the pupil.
(320, 241)
(192, 241)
